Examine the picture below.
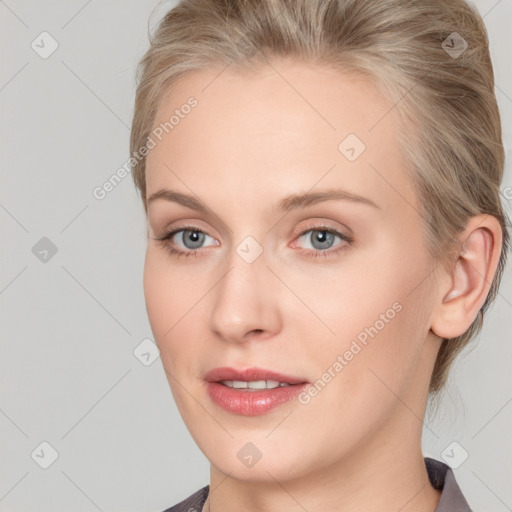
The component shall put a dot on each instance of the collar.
(442, 478)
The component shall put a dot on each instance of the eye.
(322, 238)
(191, 237)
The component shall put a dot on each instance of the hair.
(450, 123)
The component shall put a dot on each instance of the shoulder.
(194, 503)
(442, 478)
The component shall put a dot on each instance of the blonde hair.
(407, 48)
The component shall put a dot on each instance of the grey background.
(70, 325)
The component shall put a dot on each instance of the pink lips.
(251, 402)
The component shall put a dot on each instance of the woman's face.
(256, 285)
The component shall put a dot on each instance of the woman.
(321, 184)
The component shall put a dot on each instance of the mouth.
(252, 391)
(252, 378)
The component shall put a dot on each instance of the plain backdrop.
(71, 297)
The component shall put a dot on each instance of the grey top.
(440, 475)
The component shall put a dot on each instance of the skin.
(252, 140)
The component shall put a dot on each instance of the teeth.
(253, 384)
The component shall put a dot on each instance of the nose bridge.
(243, 298)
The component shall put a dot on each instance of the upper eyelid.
(312, 224)
(313, 227)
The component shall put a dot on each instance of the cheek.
(379, 315)
(168, 292)
(165, 297)
(155, 294)
(173, 302)
(361, 371)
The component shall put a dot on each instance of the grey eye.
(320, 238)
(192, 239)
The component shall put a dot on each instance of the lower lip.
(252, 403)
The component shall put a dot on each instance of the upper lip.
(250, 374)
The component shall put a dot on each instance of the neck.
(384, 473)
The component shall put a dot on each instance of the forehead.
(289, 123)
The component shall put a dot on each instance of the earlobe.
(470, 279)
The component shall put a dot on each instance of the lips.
(250, 374)
(251, 402)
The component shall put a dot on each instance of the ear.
(464, 289)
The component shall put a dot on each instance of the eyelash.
(165, 242)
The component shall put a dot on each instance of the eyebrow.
(289, 203)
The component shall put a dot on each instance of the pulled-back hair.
(415, 52)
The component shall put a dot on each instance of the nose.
(245, 302)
